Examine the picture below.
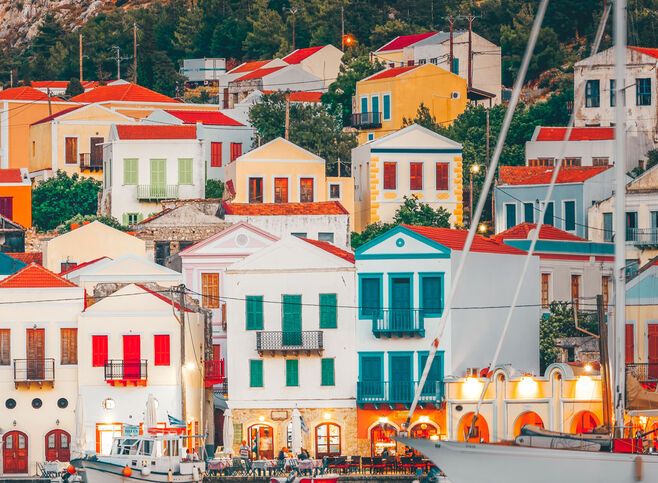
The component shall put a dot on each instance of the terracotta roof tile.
(455, 240)
(249, 66)
(210, 118)
(122, 92)
(305, 96)
(577, 134)
(28, 257)
(548, 232)
(259, 73)
(333, 249)
(392, 72)
(402, 41)
(297, 56)
(25, 93)
(82, 265)
(59, 84)
(35, 276)
(651, 52)
(529, 175)
(12, 175)
(147, 131)
(284, 209)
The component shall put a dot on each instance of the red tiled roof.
(333, 249)
(305, 96)
(284, 209)
(548, 232)
(528, 175)
(147, 131)
(35, 276)
(249, 66)
(392, 72)
(577, 134)
(56, 115)
(82, 265)
(455, 240)
(25, 93)
(11, 175)
(155, 216)
(646, 51)
(122, 92)
(162, 297)
(259, 73)
(296, 56)
(28, 257)
(59, 84)
(402, 41)
(210, 118)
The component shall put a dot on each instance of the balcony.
(126, 373)
(398, 393)
(89, 164)
(34, 371)
(157, 192)
(214, 372)
(645, 372)
(367, 120)
(398, 323)
(642, 237)
(294, 343)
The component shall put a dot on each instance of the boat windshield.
(170, 447)
(146, 447)
(126, 446)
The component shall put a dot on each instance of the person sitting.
(282, 454)
(188, 455)
(385, 453)
(409, 453)
(195, 455)
(303, 455)
(245, 451)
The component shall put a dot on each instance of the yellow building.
(642, 322)
(386, 98)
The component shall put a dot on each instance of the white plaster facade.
(324, 63)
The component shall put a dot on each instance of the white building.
(292, 345)
(144, 164)
(323, 61)
(38, 368)
(206, 70)
(240, 71)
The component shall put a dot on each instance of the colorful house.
(411, 162)
(323, 61)
(386, 98)
(16, 196)
(642, 322)
(240, 71)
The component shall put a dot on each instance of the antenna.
(117, 49)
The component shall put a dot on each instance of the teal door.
(434, 377)
(292, 320)
(400, 384)
(371, 385)
(400, 314)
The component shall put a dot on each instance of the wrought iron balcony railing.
(87, 162)
(642, 237)
(157, 192)
(398, 392)
(367, 120)
(398, 323)
(124, 372)
(289, 342)
(37, 370)
(644, 372)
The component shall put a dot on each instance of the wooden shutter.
(630, 344)
(256, 373)
(130, 175)
(328, 315)
(71, 145)
(215, 155)
(306, 190)
(292, 319)
(442, 176)
(432, 295)
(328, 372)
(605, 290)
(69, 346)
(7, 207)
(545, 280)
(98, 350)
(236, 151)
(162, 350)
(575, 290)
(370, 296)
(281, 190)
(416, 176)
(185, 171)
(390, 176)
(5, 347)
(254, 304)
(292, 372)
(210, 290)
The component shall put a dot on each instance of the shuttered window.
(210, 290)
(630, 344)
(69, 346)
(291, 319)
(569, 215)
(416, 176)
(215, 155)
(71, 145)
(371, 299)
(255, 373)
(236, 151)
(306, 190)
(328, 315)
(162, 350)
(328, 376)
(390, 176)
(386, 101)
(442, 176)
(130, 175)
(5, 347)
(98, 350)
(292, 372)
(254, 314)
(545, 294)
(431, 295)
(185, 171)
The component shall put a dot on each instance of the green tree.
(74, 88)
(186, 36)
(49, 34)
(61, 197)
(423, 118)
(266, 34)
(386, 32)
(83, 219)
(214, 189)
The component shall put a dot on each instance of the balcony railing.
(367, 120)
(644, 372)
(126, 373)
(214, 372)
(398, 323)
(222, 389)
(157, 192)
(86, 162)
(398, 392)
(642, 237)
(39, 371)
(306, 341)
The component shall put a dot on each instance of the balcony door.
(400, 384)
(652, 350)
(96, 148)
(158, 177)
(131, 357)
(291, 323)
(14, 453)
(401, 304)
(35, 349)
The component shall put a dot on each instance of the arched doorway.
(584, 422)
(481, 433)
(423, 430)
(529, 417)
(261, 437)
(382, 438)
(14, 452)
(58, 445)
(327, 440)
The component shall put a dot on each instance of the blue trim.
(410, 355)
(439, 354)
(421, 277)
(444, 252)
(389, 256)
(380, 277)
(378, 354)
(407, 275)
(417, 150)
(564, 246)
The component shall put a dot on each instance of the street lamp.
(475, 169)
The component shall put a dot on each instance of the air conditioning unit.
(455, 95)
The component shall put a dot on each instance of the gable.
(133, 265)
(401, 242)
(416, 138)
(647, 181)
(239, 239)
(129, 299)
(94, 112)
(279, 149)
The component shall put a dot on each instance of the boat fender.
(170, 475)
(639, 471)
(146, 471)
(127, 472)
(195, 474)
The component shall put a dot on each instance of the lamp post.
(475, 169)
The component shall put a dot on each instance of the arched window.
(526, 418)
(584, 422)
(327, 440)
(58, 445)
(423, 431)
(381, 438)
(261, 437)
(481, 432)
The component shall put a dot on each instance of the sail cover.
(638, 398)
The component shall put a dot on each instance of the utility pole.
(80, 49)
(118, 51)
(134, 52)
(50, 107)
(451, 21)
(471, 18)
(342, 27)
(287, 131)
(293, 11)
(181, 319)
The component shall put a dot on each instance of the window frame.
(5, 347)
(76, 155)
(209, 300)
(304, 191)
(380, 278)
(421, 299)
(388, 165)
(332, 382)
(186, 167)
(331, 187)
(277, 196)
(68, 360)
(129, 181)
(565, 218)
(253, 381)
(444, 176)
(161, 357)
(592, 94)
(252, 320)
(506, 213)
(326, 309)
(414, 178)
(290, 380)
(216, 160)
(386, 97)
(95, 362)
(251, 198)
(643, 97)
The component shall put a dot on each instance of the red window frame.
(442, 176)
(98, 350)
(390, 176)
(306, 190)
(416, 176)
(215, 154)
(162, 350)
(236, 151)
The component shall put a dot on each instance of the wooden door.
(7, 207)
(292, 320)
(58, 446)
(96, 147)
(400, 313)
(400, 382)
(35, 350)
(652, 350)
(131, 357)
(14, 453)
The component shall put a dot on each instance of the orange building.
(16, 196)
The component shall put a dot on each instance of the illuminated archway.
(584, 422)
(481, 433)
(529, 417)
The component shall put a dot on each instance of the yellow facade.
(442, 92)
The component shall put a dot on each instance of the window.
(571, 162)
(255, 190)
(601, 161)
(66, 266)
(434, 60)
(328, 375)
(371, 136)
(5, 347)
(300, 234)
(455, 66)
(370, 295)
(7, 207)
(643, 92)
(607, 227)
(255, 373)
(442, 176)
(130, 175)
(306, 190)
(292, 372)
(215, 155)
(69, 346)
(328, 311)
(326, 237)
(545, 293)
(416, 176)
(605, 290)
(210, 290)
(334, 191)
(291, 319)
(592, 93)
(570, 215)
(185, 171)
(71, 148)
(422, 61)
(281, 190)
(613, 93)
(374, 104)
(161, 350)
(236, 151)
(529, 212)
(131, 218)
(98, 350)
(327, 440)
(390, 176)
(386, 101)
(630, 344)
(510, 215)
(549, 215)
(431, 293)
(254, 307)
(162, 252)
(631, 226)
(575, 290)
(364, 105)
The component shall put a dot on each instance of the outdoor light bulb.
(261, 418)
(482, 228)
(327, 415)
(189, 366)
(424, 419)
(527, 387)
(475, 168)
(434, 437)
(383, 420)
(588, 368)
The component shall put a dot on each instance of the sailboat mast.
(619, 327)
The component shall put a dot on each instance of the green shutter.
(125, 219)
(432, 295)
(255, 373)
(386, 100)
(292, 319)
(185, 171)
(370, 296)
(328, 373)
(292, 372)
(254, 312)
(130, 171)
(159, 172)
(328, 317)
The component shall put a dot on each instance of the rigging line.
(502, 135)
(535, 235)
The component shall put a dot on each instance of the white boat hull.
(91, 471)
(490, 463)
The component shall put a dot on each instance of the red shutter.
(442, 176)
(416, 176)
(236, 151)
(390, 176)
(630, 344)
(216, 155)
(162, 350)
(98, 350)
